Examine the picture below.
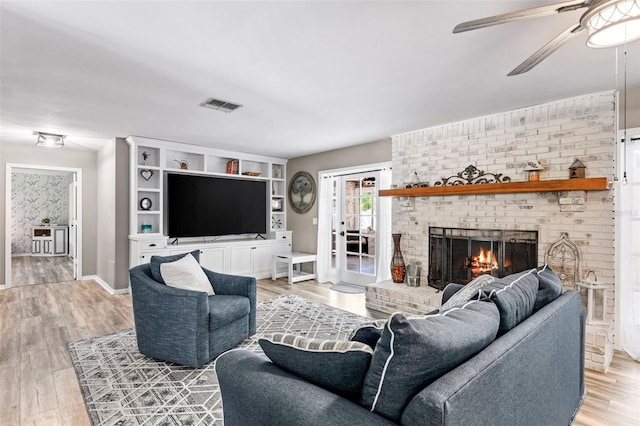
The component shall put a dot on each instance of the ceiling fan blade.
(546, 50)
(533, 12)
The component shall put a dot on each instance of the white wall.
(555, 134)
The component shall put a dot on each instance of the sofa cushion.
(368, 333)
(465, 294)
(156, 261)
(339, 366)
(224, 309)
(549, 287)
(186, 274)
(413, 352)
(515, 296)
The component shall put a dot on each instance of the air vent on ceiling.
(220, 105)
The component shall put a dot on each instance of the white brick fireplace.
(555, 134)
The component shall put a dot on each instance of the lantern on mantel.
(577, 169)
(592, 296)
(534, 168)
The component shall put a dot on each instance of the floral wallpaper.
(34, 197)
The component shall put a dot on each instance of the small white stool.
(294, 260)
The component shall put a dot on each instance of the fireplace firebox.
(459, 255)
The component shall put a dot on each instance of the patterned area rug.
(122, 387)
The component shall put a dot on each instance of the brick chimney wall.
(555, 134)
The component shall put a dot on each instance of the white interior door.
(73, 224)
(354, 227)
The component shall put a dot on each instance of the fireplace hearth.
(459, 255)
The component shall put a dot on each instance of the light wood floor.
(30, 270)
(38, 385)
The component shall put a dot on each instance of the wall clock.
(145, 204)
(302, 192)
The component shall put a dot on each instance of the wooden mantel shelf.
(579, 184)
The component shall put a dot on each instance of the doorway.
(42, 224)
(354, 226)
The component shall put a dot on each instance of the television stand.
(260, 236)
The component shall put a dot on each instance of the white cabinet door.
(241, 260)
(47, 246)
(213, 259)
(262, 258)
(36, 246)
(60, 241)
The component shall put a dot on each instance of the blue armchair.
(190, 327)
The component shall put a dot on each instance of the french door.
(354, 227)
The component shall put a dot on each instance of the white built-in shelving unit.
(152, 158)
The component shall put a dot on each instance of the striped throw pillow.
(339, 366)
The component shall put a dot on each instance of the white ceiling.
(313, 76)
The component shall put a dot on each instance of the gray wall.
(633, 111)
(305, 233)
(122, 214)
(21, 153)
(113, 214)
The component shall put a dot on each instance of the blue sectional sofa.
(532, 374)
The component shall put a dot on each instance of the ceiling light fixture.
(50, 140)
(612, 23)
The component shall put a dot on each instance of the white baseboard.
(3, 286)
(20, 254)
(106, 286)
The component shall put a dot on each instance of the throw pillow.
(156, 261)
(339, 366)
(550, 287)
(515, 296)
(368, 333)
(186, 274)
(414, 352)
(467, 292)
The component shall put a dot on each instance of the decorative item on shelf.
(472, 176)
(533, 168)
(146, 174)
(398, 268)
(184, 165)
(145, 157)
(302, 192)
(276, 223)
(415, 182)
(592, 295)
(577, 169)
(145, 204)
(276, 205)
(277, 172)
(251, 173)
(413, 276)
(232, 167)
(145, 228)
(46, 221)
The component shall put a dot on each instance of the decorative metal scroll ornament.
(472, 176)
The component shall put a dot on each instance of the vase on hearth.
(398, 268)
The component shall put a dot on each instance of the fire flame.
(484, 262)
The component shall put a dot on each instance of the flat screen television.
(203, 206)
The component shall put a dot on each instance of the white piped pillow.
(186, 274)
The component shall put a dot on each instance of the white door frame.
(7, 214)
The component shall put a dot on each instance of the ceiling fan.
(609, 22)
